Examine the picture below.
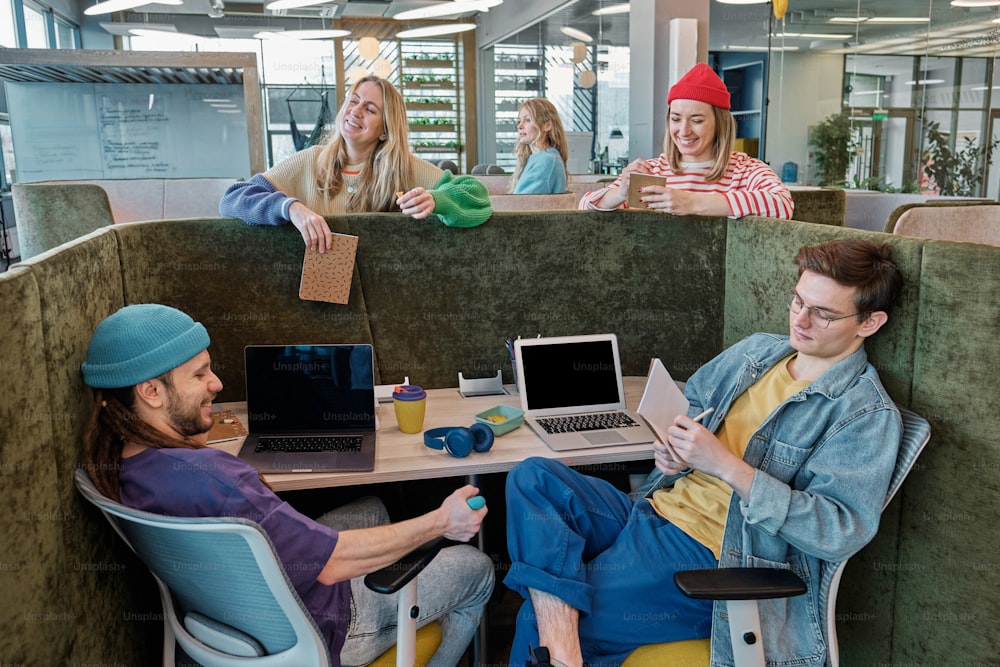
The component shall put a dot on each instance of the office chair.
(742, 587)
(227, 600)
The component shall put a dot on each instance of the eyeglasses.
(817, 316)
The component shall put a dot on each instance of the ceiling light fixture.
(291, 4)
(848, 19)
(111, 6)
(743, 2)
(218, 9)
(302, 34)
(924, 82)
(435, 30)
(576, 34)
(123, 29)
(154, 31)
(812, 35)
(450, 8)
(762, 49)
(612, 9)
(975, 3)
(369, 48)
(899, 19)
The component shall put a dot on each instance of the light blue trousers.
(585, 542)
(453, 589)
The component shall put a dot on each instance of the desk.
(402, 456)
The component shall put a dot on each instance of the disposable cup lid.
(408, 392)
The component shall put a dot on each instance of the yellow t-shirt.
(698, 503)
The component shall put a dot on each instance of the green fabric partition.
(36, 610)
(824, 206)
(436, 301)
(441, 301)
(50, 214)
(949, 568)
(241, 282)
(78, 288)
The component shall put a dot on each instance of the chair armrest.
(739, 583)
(392, 578)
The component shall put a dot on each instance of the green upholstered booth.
(824, 206)
(436, 301)
(50, 214)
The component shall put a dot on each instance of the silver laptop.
(310, 408)
(572, 392)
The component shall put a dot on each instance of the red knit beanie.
(700, 84)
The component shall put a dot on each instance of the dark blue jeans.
(584, 541)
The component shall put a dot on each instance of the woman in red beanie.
(704, 175)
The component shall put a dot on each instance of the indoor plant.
(835, 143)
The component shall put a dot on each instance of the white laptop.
(572, 392)
(310, 408)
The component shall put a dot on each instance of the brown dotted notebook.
(327, 277)
(225, 426)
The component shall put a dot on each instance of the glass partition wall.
(867, 94)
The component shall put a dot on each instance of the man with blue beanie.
(146, 447)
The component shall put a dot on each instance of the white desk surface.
(401, 456)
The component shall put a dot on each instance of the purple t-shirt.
(213, 483)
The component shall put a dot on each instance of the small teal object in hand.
(477, 502)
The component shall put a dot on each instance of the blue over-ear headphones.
(460, 441)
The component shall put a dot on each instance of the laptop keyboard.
(309, 443)
(590, 422)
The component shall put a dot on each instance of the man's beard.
(187, 422)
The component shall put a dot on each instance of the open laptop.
(572, 392)
(310, 408)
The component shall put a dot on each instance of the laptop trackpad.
(604, 438)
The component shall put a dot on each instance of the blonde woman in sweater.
(363, 165)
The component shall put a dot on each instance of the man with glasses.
(787, 470)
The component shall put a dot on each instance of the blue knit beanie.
(141, 342)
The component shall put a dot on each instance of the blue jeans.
(585, 542)
(453, 589)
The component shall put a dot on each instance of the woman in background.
(541, 150)
(364, 164)
(704, 175)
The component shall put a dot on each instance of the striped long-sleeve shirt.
(750, 186)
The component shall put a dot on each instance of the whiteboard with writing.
(73, 131)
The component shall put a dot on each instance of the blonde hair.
(542, 111)
(387, 170)
(722, 145)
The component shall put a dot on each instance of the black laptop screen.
(303, 388)
(569, 374)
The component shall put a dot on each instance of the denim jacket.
(823, 463)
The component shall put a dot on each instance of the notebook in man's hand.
(327, 276)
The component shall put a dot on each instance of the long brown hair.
(113, 422)
(387, 170)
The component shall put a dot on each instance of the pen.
(704, 414)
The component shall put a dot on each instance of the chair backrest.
(916, 434)
(224, 569)
(50, 214)
(970, 222)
